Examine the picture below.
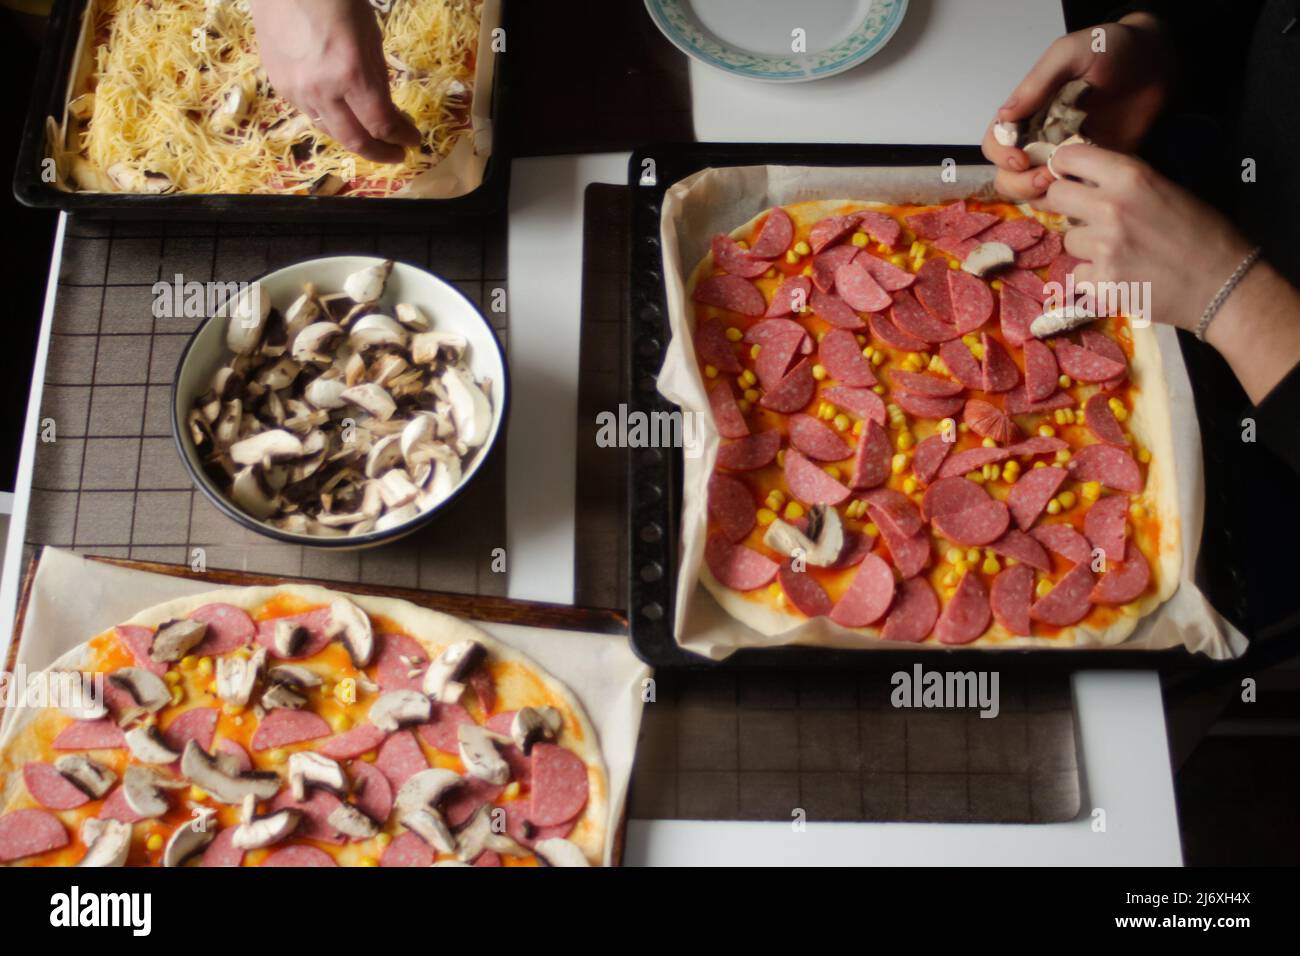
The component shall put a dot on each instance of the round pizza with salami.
(296, 726)
(900, 455)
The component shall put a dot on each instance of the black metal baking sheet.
(48, 91)
(655, 475)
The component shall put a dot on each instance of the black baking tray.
(655, 474)
(48, 92)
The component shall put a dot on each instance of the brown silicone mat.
(112, 482)
(736, 744)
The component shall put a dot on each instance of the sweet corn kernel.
(780, 457)
(211, 687)
(188, 661)
(871, 529)
(878, 359)
(774, 589)
(936, 365)
(909, 485)
(963, 428)
(778, 496)
(802, 248)
(975, 476)
(742, 243)
(748, 378)
(950, 579)
(512, 791)
(819, 372)
(1011, 467)
(198, 794)
(368, 861)
(883, 249)
(205, 666)
(954, 264)
(997, 285)
(1063, 456)
(899, 260)
(154, 843)
(1090, 490)
(383, 839)
(995, 472)
(1047, 431)
(970, 339)
(917, 250)
(878, 389)
(1043, 588)
(898, 464)
(744, 406)
(1065, 381)
(340, 722)
(370, 756)
(915, 264)
(859, 239)
(754, 350)
(972, 555)
(769, 274)
(905, 441)
(710, 371)
(1040, 464)
(977, 350)
(793, 511)
(172, 678)
(178, 695)
(734, 334)
(791, 257)
(807, 271)
(953, 555)
(842, 422)
(276, 756)
(751, 395)
(1067, 499)
(234, 710)
(988, 443)
(1054, 507)
(858, 426)
(868, 351)
(990, 565)
(860, 339)
(1137, 510)
(833, 471)
(1143, 455)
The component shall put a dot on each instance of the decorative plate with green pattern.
(778, 41)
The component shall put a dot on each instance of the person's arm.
(327, 58)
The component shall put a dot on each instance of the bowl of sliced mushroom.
(339, 402)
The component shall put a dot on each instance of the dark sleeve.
(1277, 420)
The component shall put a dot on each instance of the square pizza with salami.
(901, 456)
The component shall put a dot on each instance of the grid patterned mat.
(112, 482)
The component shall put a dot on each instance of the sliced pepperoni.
(138, 641)
(28, 833)
(239, 755)
(802, 590)
(932, 291)
(1103, 344)
(731, 505)
(998, 369)
(872, 459)
(884, 329)
(1123, 582)
(1113, 467)
(116, 808)
(776, 354)
(1102, 422)
(198, 724)
(833, 310)
(890, 276)
(523, 831)
(790, 296)
(353, 743)
(560, 785)
(919, 383)
(736, 566)
(962, 363)
(927, 406)
(761, 333)
(1019, 234)
(229, 628)
(774, 238)
(1023, 280)
(868, 596)
(830, 230)
(727, 416)
(371, 790)
(280, 728)
(936, 222)
(52, 789)
(222, 850)
(910, 553)
(1085, 365)
(315, 623)
(882, 227)
(400, 755)
(1065, 541)
(299, 856)
(862, 402)
(1017, 312)
(958, 248)
(828, 263)
(842, 357)
(989, 421)
(972, 302)
(794, 391)
(972, 459)
(977, 525)
(751, 452)
(407, 849)
(1018, 403)
(1068, 601)
(1104, 526)
(1062, 266)
(916, 321)
(809, 483)
(1038, 445)
(1040, 253)
(898, 509)
(731, 258)
(951, 496)
(732, 293)
(859, 288)
(1031, 493)
(462, 803)
(1022, 547)
(315, 811)
(817, 440)
(399, 662)
(857, 545)
(915, 610)
(966, 615)
(929, 457)
(1041, 372)
(971, 224)
(1010, 597)
(441, 732)
(714, 347)
(101, 734)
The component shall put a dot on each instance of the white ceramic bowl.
(445, 305)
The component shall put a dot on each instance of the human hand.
(1128, 81)
(327, 58)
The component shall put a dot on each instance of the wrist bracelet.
(1225, 290)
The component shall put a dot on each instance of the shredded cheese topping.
(167, 74)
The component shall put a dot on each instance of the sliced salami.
(399, 662)
(1024, 281)
(928, 406)
(1102, 422)
(407, 849)
(895, 508)
(560, 786)
(243, 763)
(958, 248)
(487, 858)
(400, 755)
(817, 440)
(989, 421)
(1113, 467)
(736, 566)
(101, 734)
(882, 227)
(764, 331)
(714, 348)
(842, 357)
(884, 329)
(1038, 445)
(28, 833)
(750, 453)
(299, 856)
(138, 641)
(833, 310)
(794, 391)
(802, 591)
(859, 289)
(315, 810)
(280, 728)
(966, 615)
(936, 222)
(790, 296)
(461, 804)
(1019, 234)
(871, 461)
(971, 224)
(315, 623)
(972, 459)
(965, 517)
(910, 553)
(441, 732)
(915, 610)
(1018, 403)
(857, 545)
(774, 237)
(997, 369)
(737, 261)
(1062, 266)
(371, 790)
(1103, 344)
(1123, 582)
(830, 230)
(1017, 313)
(1068, 601)
(809, 483)
(1084, 365)
(52, 789)
(862, 402)
(727, 416)
(890, 276)
(868, 596)
(116, 808)
(1041, 372)
(732, 293)
(776, 354)
(828, 263)
(198, 724)
(1040, 253)
(930, 456)
(972, 302)
(1010, 597)
(353, 743)
(731, 505)
(229, 628)
(1031, 493)
(1065, 541)
(919, 383)
(961, 362)
(916, 321)
(222, 850)
(1104, 526)
(931, 290)
(524, 831)
(1024, 548)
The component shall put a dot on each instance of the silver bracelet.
(1225, 290)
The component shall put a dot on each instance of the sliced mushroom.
(413, 317)
(310, 769)
(282, 697)
(477, 835)
(351, 625)
(442, 679)
(174, 639)
(232, 108)
(372, 398)
(400, 708)
(820, 546)
(326, 391)
(396, 517)
(290, 129)
(384, 454)
(275, 444)
(1061, 320)
(149, 692)
(187, 840)
(351, 822)
(388, 370)
(430, 827)
(478, 751)
(425, 789)
(376, 330)
(328, 184)
(143, 790)
(988, 257)
(86, 775)
(294, 675)
(204, 771)
(367, 285)
(470, 409)
(1007, 133)
(248, 315)
(558, 851)
(147, 746)
(82, 703)
(250, 492)
(313, 344)
(532, 724)
(236, 676)
(257, 832)
(426, 347)
(302, 312)
(396, 489)
(108, 842)
(127, 179)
